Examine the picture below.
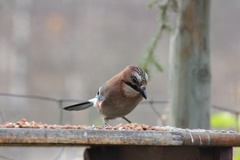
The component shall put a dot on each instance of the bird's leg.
(106, 122)
(126, 119)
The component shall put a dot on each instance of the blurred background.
(66, 49)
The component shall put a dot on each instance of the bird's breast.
(118, 107)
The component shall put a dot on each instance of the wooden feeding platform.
(123, 142)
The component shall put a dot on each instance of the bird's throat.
(130, 90)
(132, 85)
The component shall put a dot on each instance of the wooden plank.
(108, 137)
(86, 137)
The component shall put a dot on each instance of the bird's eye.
(134, 79)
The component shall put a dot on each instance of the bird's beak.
(143, 92)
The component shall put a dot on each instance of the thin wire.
(60, 153)
(226, 109)
(29, 96)
(155, 110)
(155, 102)
(44, 98)
(2, 115)
(5, 157)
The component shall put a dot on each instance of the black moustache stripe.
(132, 86)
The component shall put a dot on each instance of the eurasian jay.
(119, 95)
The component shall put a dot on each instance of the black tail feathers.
(79, 106)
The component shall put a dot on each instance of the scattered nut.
(23, 123)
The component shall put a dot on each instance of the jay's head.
(135, 80)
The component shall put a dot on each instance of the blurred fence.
(162, 115)
(60, 104)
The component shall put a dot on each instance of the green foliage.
(164, 8)
(223, 120)
(236, 155)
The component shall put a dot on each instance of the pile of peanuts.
(23, 123)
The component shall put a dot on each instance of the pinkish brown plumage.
(119, 95)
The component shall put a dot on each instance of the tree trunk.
(190, 78)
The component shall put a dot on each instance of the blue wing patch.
(99, 97)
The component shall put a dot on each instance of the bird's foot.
(106, 124)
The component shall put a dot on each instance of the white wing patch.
(94, 101)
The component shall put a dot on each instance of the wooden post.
(190, 78)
